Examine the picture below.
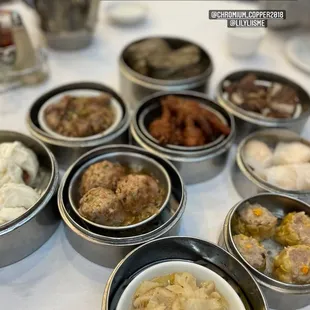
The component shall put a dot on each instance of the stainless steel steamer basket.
(246, 123)
(136, 86)
(187, 249)
(32, 229)
(194, 166)
(108, 247)
(279, 295)
(66, 152)
(244, 180)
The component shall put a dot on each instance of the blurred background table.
(56, 277)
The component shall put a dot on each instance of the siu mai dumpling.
(258, 155)
(284, 177)
(291, 153)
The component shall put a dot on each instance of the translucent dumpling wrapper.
(291, 153)
(258, 155)
(284, 177)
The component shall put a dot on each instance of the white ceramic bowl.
(199, 272)
(115, 105)
(244, 42)
(126, 13)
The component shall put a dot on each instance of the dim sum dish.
(276, 249)
(274, 160)
(261, 100)
(157, 59)
(20, 173)
(269, 99)
(188, 129)
(121, 195)
(179, 286)
(28, 187)
(79, 117)
(286, 165)
(104, 221)
(186, 123)
(80, 114)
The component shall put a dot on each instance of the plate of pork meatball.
(121, 192)
(278, 246)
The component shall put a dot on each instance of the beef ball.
(102, 174)
(294, 229)
(137, 192)
(292, 265)
(101, 205)
(252, 251)
(256, 221)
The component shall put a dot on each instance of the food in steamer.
(294, 229)
(252, 251)
(268, 99)
(77, 116)
(283, 254)
(19, 174)
(256, 221)
(155, 58)
(116, 195)
(178, 291)
(292, 265)
(185, 122)
(287, 166)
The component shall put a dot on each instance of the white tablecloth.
(56, 277)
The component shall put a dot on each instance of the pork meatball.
(138, 192)
(292, 265)
(103, 174)
(256, 221)
(101, 205)
(294, 229)
(252, 251)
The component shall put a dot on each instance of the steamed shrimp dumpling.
(282, 176)
(258, 155)
(291, 153)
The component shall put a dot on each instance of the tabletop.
(56, 277)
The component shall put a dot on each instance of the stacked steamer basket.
(107, 245)
(21, 236)
(279, 294)
(178, 254)
(195, 163)
(178, 64)
(67, 149)
(248, 121)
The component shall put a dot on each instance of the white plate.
(126, 13)
(298, 52)
(115, 105)
(199, 272)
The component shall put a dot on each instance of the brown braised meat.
(102, 174)
(155, 58)
(277, 101)
(80, 116)
(185, 122)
